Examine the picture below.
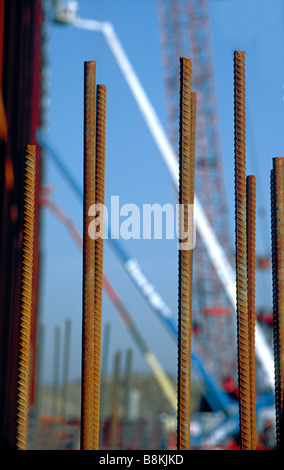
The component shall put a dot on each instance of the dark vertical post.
(277, 235)
(115, 402)
(66, 362)
(125, 411)
(105, 355)
(56, 382)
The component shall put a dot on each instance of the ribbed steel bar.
(88, 321)
(26, 297)
(241, 249)
(251, 221)
(277, 232)
(186, 197)
(99, 199)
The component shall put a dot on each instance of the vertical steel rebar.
(186, 198)
(277, 235)
(99, 199)
(251, 216)
(26, 298)
(241, 249)
(88, 322)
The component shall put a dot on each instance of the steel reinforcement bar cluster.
(245, 222)
(245, 210)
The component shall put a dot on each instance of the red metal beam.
(21, 91)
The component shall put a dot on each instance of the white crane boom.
(215, 251)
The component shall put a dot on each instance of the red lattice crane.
(185, 31)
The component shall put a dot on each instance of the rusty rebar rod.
(251, 221)
(241, 250)
(26, 297)
(277, 236)
(99, 199)
(186, 198)
(88, 321)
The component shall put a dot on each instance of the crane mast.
(185, 31)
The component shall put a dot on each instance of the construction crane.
(185, 31)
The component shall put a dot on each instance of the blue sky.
(134, 168)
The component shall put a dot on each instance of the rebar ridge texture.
(99, 199)
(186, 196)
(251, 222)
(277, 238)
(241, 249)
(88, 383)
(26, 297)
